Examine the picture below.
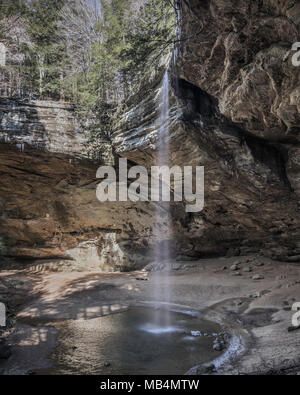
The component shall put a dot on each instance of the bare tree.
(11, 76)
(78, 24)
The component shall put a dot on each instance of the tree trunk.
(41, 77)
(62, 92)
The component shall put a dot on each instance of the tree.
(150, 33)
(92, 52)
(78, 28)
(13, 34)
(129, 37)
(10, 12)
(47, 53)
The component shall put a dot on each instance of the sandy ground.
(258, 311)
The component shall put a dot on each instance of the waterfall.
(163, 140)
(163, 233)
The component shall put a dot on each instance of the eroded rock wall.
(234, 109)
(241, 54)
(50, 216)
(47, 125)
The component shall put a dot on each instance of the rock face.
(49, 211)
(50, 214)
(234, 109)
(45, 125)
(245, 55)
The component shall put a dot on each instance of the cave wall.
(234, 110)
(241, 58)
(244, 50)
(50, 217)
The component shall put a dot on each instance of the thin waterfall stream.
(162, 253)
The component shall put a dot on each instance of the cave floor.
(255, 299)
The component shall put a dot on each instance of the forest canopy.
(83, 51)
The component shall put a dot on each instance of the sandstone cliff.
(49, 211)
(234, 108)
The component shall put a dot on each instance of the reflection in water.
(131, 343)
(157, 330)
